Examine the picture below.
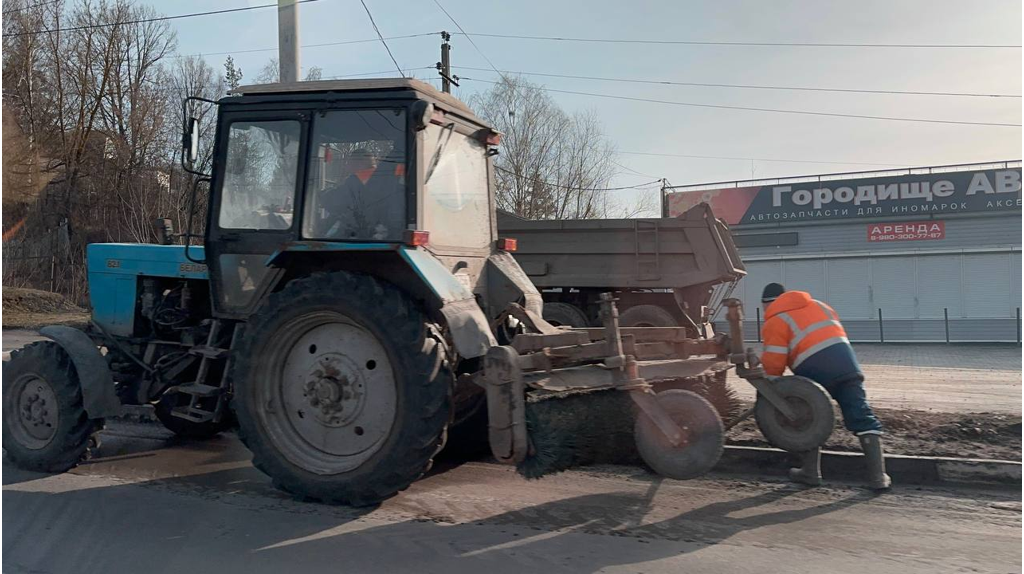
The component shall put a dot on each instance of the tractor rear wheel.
(45, 425)
(342, 389)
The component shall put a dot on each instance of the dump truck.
(351, 302)
(663, 272)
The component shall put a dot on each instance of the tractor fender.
(470, 330)
(98, 394)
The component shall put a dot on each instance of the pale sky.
(670, 129)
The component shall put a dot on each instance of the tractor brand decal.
(907, 231)
(865, 197)
(113, 263)
(191, 268)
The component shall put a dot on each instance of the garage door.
(893, 286)
(986, 285)
(938, 286)
(849, 280)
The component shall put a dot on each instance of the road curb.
(918, 470)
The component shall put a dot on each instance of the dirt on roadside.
(922, 433)
(32, 309)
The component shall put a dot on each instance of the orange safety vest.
(796, 327)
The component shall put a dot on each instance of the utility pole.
(444, 67)
(288, 40)
(664, 197)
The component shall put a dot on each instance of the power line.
(756, 44)
(629, 169)
(571, 188)
(145, 20)
(381, 36)
(470, 38)
(769, 110)
(760, 159)
(325, 44)
(378, 73)
(747, 86)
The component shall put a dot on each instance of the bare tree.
(270, 73)
(552, 165)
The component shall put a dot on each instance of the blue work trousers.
(853, 401)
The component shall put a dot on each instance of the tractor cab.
(352, 166)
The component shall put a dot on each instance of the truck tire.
(186, 428)
(45, 425)
(565, 315)
(647, 316)
(342, 389)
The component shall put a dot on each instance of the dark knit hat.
(771, 292)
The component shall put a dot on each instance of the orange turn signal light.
(507, 244)
(415, 238)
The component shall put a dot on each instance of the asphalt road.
(153, 504)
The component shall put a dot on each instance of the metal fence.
(1006, 329)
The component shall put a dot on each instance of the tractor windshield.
(356, 178)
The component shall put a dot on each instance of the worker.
(805, 335)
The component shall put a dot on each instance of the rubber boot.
(874, 456)
(809, 472)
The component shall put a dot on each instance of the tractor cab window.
(259, 175)
(356, 184)
(456, 203)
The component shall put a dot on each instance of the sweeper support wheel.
(814, 417)
(702, 436)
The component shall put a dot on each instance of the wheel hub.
(38, 413)
(333, 392)
(330, 392)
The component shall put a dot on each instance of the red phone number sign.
(907, 231)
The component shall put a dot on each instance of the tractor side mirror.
(191, 140)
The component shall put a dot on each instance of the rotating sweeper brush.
(570, 397)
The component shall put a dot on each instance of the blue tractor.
(351, 301)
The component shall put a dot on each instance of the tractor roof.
(371, 85)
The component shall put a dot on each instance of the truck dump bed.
(695, 249)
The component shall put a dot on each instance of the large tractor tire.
(647, 316)
(45, 425)
(565, 315)
(342, 389)
(186, 428)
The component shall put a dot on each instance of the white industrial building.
(919, 255)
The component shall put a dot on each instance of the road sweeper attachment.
(560, 398)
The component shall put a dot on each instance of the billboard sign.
(906, 231)
(867, 197)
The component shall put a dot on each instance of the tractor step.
(208, 352)
(193, 414)
(198, 389)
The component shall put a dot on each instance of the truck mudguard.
(98, 395)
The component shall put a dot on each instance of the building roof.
(354, 85)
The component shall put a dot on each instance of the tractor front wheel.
(342, 389)
(45, 425)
